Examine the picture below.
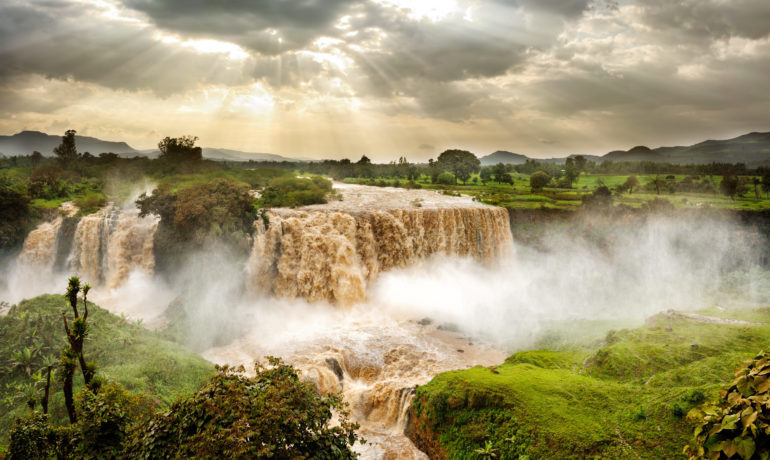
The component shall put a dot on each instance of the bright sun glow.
(232, 50)
(435, 10)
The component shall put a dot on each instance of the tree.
(631, 182)
(657, 183)
(461, 163)
(485, 174)
(66, 151)
(273, 414)
(580, 163)
(732, 185)
(75, 336)
(35, 158)
(501, 174)
(538, 180)
(180, 149)
(571, 172)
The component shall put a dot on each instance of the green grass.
(619, 397)
(521, 196)
(141, 360)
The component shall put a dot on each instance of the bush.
(445, 178)
(538, 180)
(90, 202)
(739, 423)
(295, 191)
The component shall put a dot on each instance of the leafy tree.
(180, 149)
(66, 151)
(36, 158)
(485, 174)
(631, 182)
(501, 174)
(657, 183)
(571, 172)
(461, 163)
(766, 183)
(14, 213)
(538, 180)
(272, 415)
(732, 185)
(580, 163)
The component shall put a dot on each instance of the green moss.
(125, 352)
(622, 398)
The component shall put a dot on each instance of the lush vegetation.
(740, 424)
(197, 199)
(625, 396)
(144, 363)
(115, 412)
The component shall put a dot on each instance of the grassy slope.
(125, 352)
(616, 399)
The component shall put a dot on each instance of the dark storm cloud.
(569, 8)
(248, 22)
(62, 42)
(710, 18)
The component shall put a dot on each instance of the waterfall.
(331, 255)
(111, 243)
(105, 248)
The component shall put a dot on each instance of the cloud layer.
(333, 78)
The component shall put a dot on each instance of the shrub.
(445, 178)
(295, 191)
(739, 424)
(538, 180)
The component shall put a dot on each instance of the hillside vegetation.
(142, 361)
(623, 397)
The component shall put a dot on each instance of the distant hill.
(752, 149)
(237, 155)
(501, 156)
(638, 153)
(26, 142)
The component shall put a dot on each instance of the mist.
(623, 275)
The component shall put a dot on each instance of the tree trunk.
(44, 402)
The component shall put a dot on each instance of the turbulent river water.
(305, 288)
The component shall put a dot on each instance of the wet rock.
(334, 365)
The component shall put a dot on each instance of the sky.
(388, 78)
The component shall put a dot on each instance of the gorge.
(377, 292)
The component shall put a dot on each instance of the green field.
(521, 196)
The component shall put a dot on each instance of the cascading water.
(330, 252)
(106, 246)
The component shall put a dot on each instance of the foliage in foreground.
(272, 415)
(739, 426)
(143, 362)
